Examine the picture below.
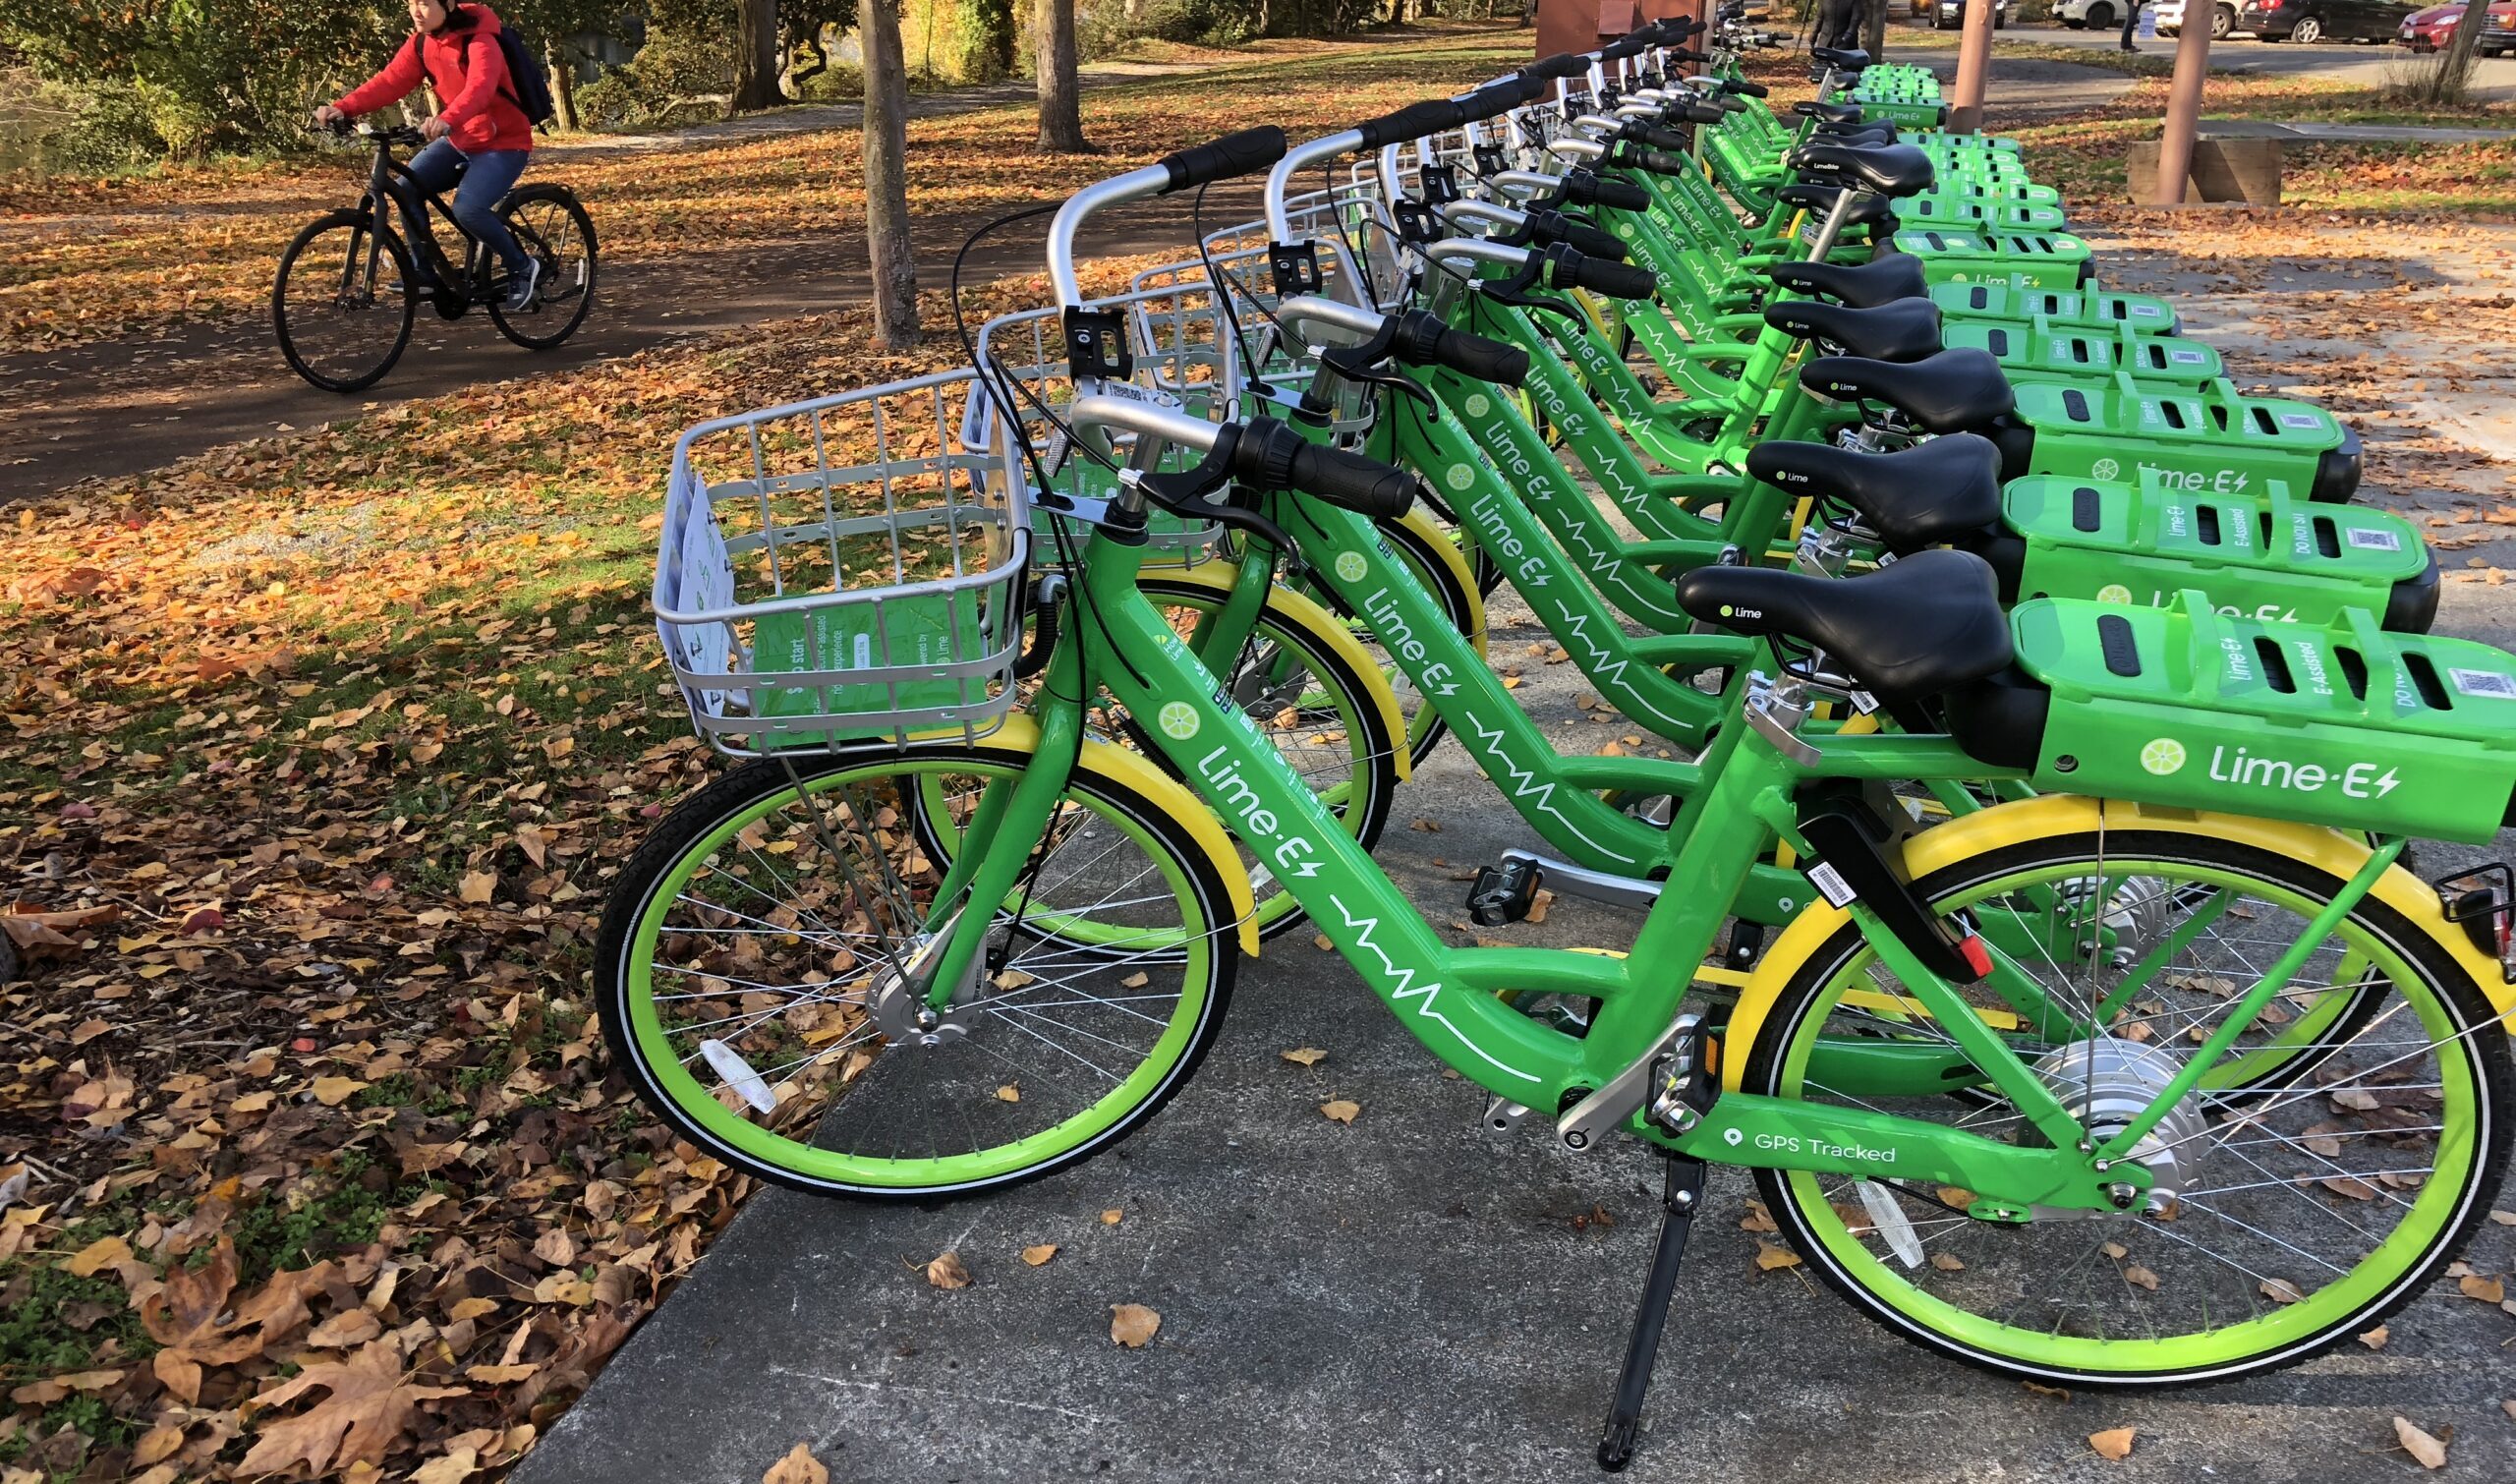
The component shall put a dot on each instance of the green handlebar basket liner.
(2144, 314)
(2268, 555)
(843, 568)
(2340, 724)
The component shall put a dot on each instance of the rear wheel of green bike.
(746, 977)
(2296, 1218)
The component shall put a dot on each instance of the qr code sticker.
(2489, 683)
(2366, 539)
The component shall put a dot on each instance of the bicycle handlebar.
(1265, 452)
(1233, 155)
(1413, 122)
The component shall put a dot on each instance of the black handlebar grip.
(1549, 227)
(1631, 46)
(1689, 54)
(1423, 339)
(1234, 154)
(1562, 65)
(1702, 113)
(1353, 481)
(1654, 136)
(1741, 87)
(1657, 162)
(1413, 122)
(1585, 188)
(1616, 280)
(1492, 101)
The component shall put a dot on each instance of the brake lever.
(1358, 363)
(1184, 492)
(1514, 291)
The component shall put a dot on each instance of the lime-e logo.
(2114, 592)
(2105, 469)
(1477, 406)
(1459, 476)
(1178, 719)
(1351, 566)
(2163, 756)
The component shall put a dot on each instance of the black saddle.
(1888, 169)
(1955, 391)
(1832, 113)
(1881, 280)
(1842, 58)
(1907, 329)
(1940, 493)
(1907, 632)
(1878, 132)
(1867, 211)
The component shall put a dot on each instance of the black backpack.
(528, 81)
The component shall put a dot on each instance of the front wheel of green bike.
(747, 976)
(2329, 1163)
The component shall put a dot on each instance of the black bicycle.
(349, 286)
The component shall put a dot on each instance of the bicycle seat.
(1954, 391)
(1842, 59)
(1879, 133)
(1906, 329)
(1863, 285)
(1907, 632)
(1866, 209)
(1933, 494)
(1888, 169)
(1833, 113)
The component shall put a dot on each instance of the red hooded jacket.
(470, 75)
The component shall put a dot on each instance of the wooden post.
(1974, 60)
(2183, 112)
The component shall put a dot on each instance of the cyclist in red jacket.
(482, 140)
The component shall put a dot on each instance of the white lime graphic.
(1351, 566)
(1459, 476)
(2163, 755)
(2105, 469)
(2114, 592)
(1477, 406)
(1179, 721)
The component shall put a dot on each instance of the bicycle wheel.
(746, 984)
(2288, 1222)
(343, 301)
(1302, 696)
(554, 228)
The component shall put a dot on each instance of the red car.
(2428, 29)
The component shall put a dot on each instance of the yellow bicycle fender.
(1292, 607)
(1446, 550)
(2006, 825)
(1019, 737)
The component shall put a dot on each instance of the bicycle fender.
(1446, 550)
(2004, 825)
(1019, 737)
(1218, 577)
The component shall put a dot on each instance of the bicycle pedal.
(1504, 893)
(1686, 1081)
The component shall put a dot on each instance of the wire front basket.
(844, 568)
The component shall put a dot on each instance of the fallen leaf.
(2113, 1442)
(2376, 1339)
(478, 887)
(2142, 1277)
(799, 1466)
(1947, 1262)
(2280, 1290)
(333, 1092)
(2057, 1393)
(103, 1252)
(1010, 1092)
(1110, 1217)
(1341, 1110)
(1133, 1325)
(1757, 1218)
(370, 1404)
(1770, 1258)
(2423, 1447)
(1303, 1056)
(947, 1272)
(1034, 1256)
(2487, 1289)
(452, 1466)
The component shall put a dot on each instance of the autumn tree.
(755, 62)
(893, 265)
(1060, 94)
(2455, 66)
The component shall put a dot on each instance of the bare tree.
(894, 267)
(2455, 68)
(1061, 96)
(755, 60)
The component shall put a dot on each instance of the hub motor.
(2106, 1082)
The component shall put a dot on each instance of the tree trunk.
(563, 86)
(806, 59)
(755, 66)
(894, 267)
(1060, 97)
(2455, 65)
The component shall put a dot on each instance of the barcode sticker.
(1863, 701)
(1838, 892)
(2187, 356)
(2492, 684)
(2305, 420)
(2366, 539)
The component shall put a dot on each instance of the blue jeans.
(485, 178)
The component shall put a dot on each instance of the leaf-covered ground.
(86, 261)
(316, 754)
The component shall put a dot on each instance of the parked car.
(2308, 20)
(2223, 18)
(2426, 30)
(1951, 14)
(2091, 15)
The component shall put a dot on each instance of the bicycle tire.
(358, 222)
(513, 210)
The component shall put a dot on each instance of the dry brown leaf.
(2280, 1290)
(2487, 1289)
(2138, 1275)
(948, 1272)
(1341, 1110)
(1757, 1218)
(1771, 1258)
(370, 1406)
(1133, 1325)
(2376, 1339)
(799, 1466)
(1947, 1262)
(1110, 1217)
(2057, 1393)
(452, 1466)
(102, 1253)
(2114, 1443)
(333, 1092)
(2426, 1449)
(1305, 1055)
(1010, 1092)
(478, 887)
(1034, 1256)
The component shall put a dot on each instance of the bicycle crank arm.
(1602, 1113)
(1565, 879)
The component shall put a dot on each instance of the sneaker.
(520, 286)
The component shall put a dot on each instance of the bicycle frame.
(1446, 997)
(390, 185)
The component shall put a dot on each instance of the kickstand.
(1681, 1194)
